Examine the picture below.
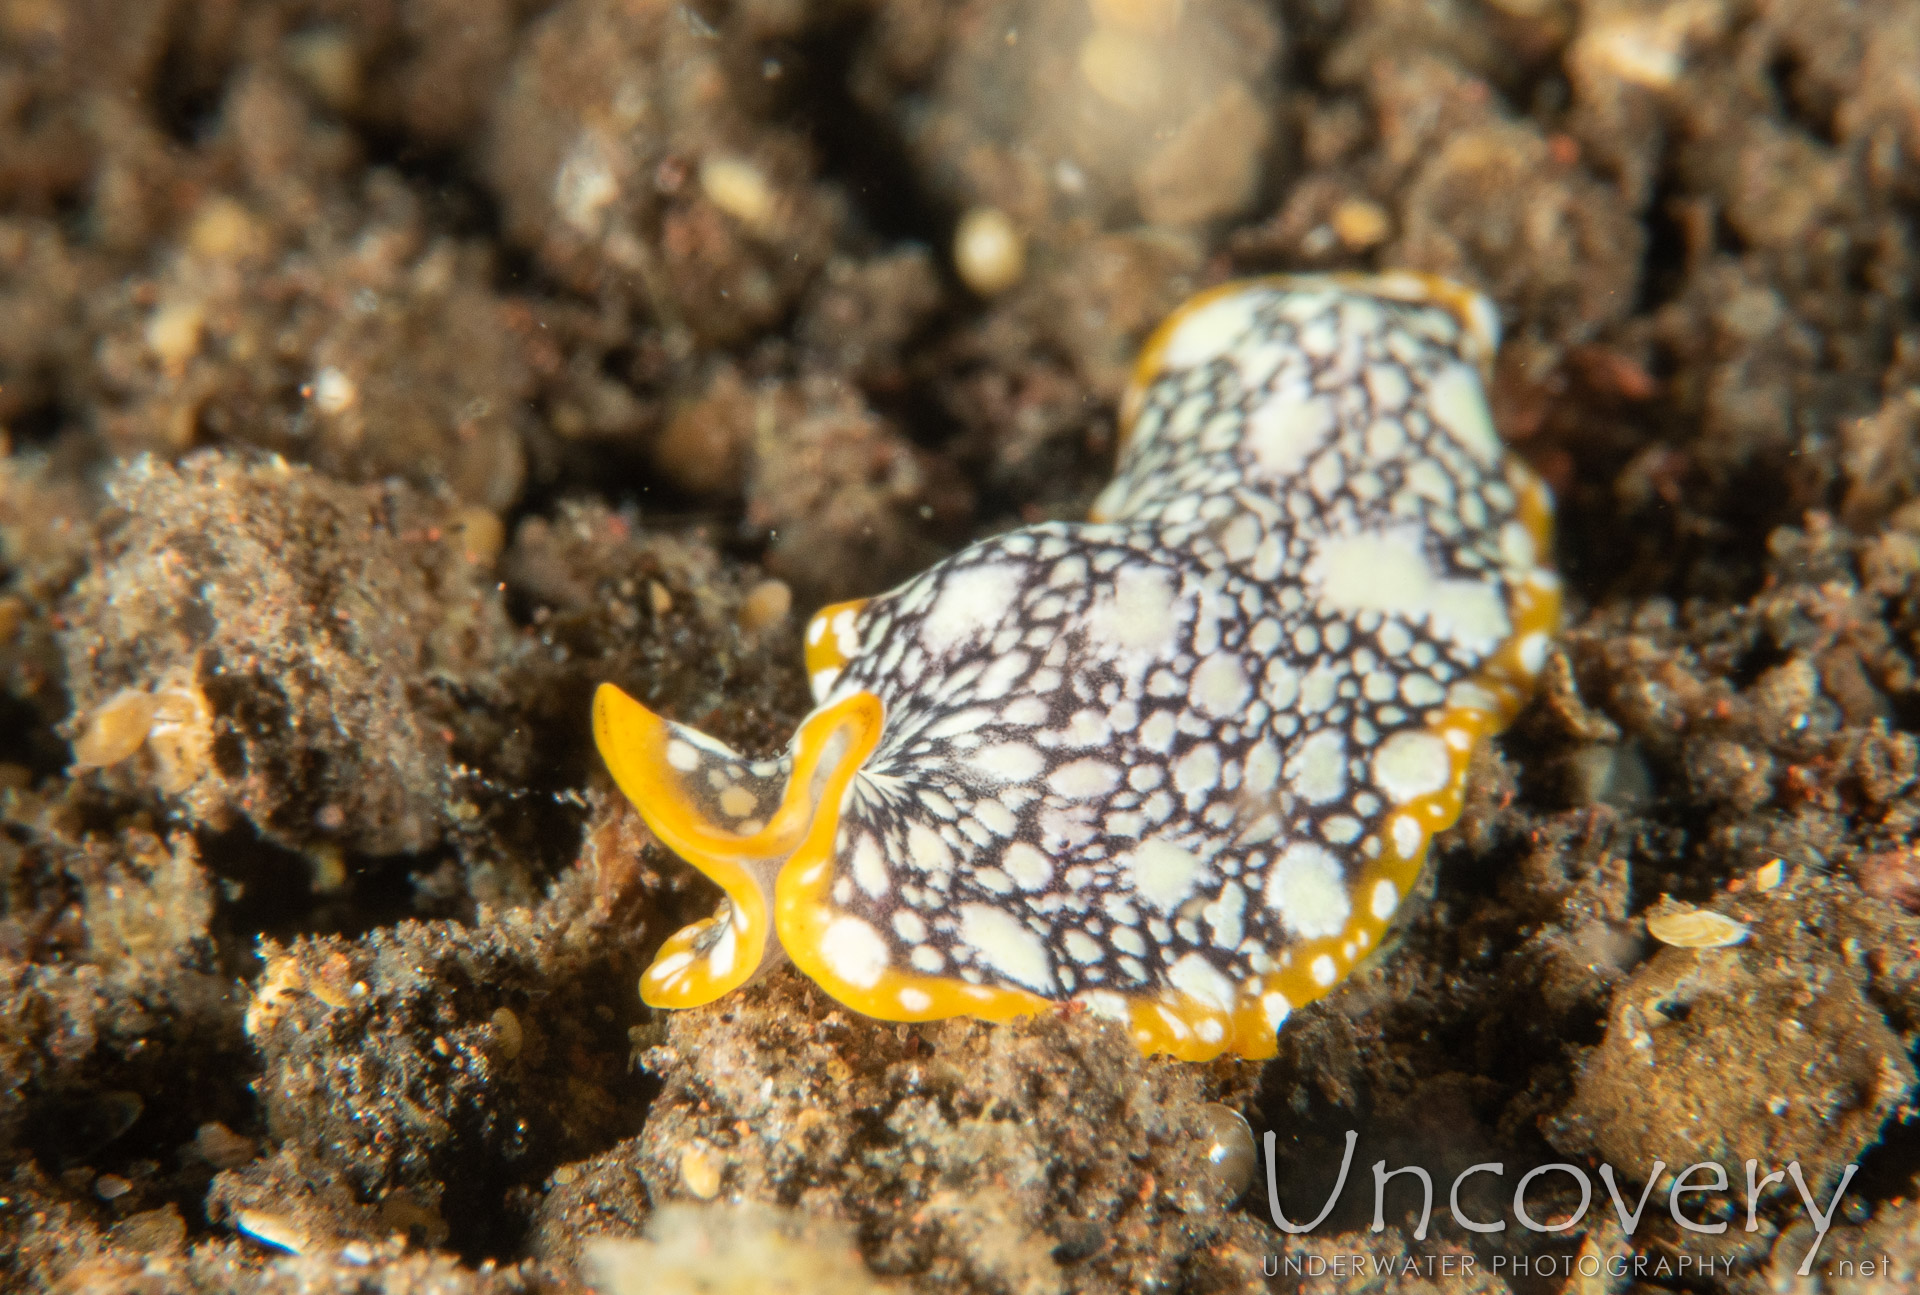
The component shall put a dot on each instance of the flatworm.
(1180, 763)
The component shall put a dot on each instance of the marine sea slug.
(1180, 763)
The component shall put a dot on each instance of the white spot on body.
(870, 867)
(1009, 947)
(1008, 762)
(970, 601)
(1517, 548)
(1212, 330)
(1318, 769)
(1219, 685)
(1194, 976)
(1084, 779)
(1470, 613)
(1406, 835)
(1457, 403)
(720, 959)
(926, 851)
(1198, 771)
(1163, 874)
(995, 817)
(1136, 615)
(1027, 866)
(1379, 571)
(1533, 652)
(1306, 887)
(670, 967)
(1386, 898)
(1223, 915)
(854, 951)
(1411, 764)
(1285, 428)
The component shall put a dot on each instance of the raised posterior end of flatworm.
(1477, 317)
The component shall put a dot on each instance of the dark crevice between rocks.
(27, 740)
(1890, 1169)
(862, 154)
(267, 889)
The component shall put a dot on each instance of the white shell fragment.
(1695, 928)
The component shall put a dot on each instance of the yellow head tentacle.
(736, 820)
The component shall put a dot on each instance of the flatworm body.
(1180, 763)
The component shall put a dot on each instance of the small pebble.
(1769, 875)
(658, 597)
(1232, 1155)
(117, 729)
(506, 1027)
(1123, 67)
(1360, 224)
(150, 1232)
(275, 1230)
(333, 392)
(767, 603)
(111, 1187)
(222, 230)
(173, 333)
(327, 62)
(988, 252)
(699, 1173)
(1695, 928)
(482, 535)
(221, 1147)
(739, 188)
